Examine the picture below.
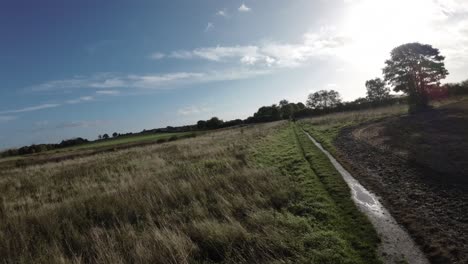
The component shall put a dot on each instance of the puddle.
(396, 245)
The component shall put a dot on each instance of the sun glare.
(375, 27)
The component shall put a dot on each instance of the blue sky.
(83, 68)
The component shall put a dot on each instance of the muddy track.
(396, 245)
(436, 215)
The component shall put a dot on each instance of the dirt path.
(396, 246)
(435, 213)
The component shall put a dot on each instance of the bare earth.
(418, 165)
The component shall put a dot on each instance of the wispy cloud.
(209, 27)
(108, 92)
(45, 106)
(313, 45)
(181, 54)
(30, 108)
(192, 110)
(149, 81)
(157, 56)
(80, 100)
(244, 8)
(222, 13)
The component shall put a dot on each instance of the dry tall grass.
(245, 195)
(194, 200)
(353, 117)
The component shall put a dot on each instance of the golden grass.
(210, 199)
(178, 202)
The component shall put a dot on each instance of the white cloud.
(30, 108)
(157, 56)
(80, 100)
(326, 42)
(222, 13)
(149, 81)
(181, 54)
(244, 8)
(209, 27)
(192, 110)
(108, 92)
(220, 53)
(45, 106)
(107, 83)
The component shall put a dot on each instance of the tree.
(377, 91)
(415, 69)
(100, 137)
(267, 114)
(105, 136)
(324, 99)
(300, 106)
(283, 103)
(115, 134)
(201, 124)
(287, 111)
(214, 123)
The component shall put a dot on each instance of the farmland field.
(245, 195)
(93, 147)
(129, 139)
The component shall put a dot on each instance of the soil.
(418, 165)
(396, 245)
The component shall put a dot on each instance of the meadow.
(93, 147)
(257, 194)
(122, 140)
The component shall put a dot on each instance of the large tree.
(214, 123)
(377, 91)
(267, 114)
(324, 99)
(415, 69)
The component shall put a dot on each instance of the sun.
(374, 27)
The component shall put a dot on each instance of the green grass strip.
(339, 233)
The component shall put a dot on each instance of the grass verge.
(337, 231)
(326, 128)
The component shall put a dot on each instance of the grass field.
(93, 148)
(326, 128)
(129, 139)
(261, 194)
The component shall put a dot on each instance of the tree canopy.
(377, 90)
(324, 99)
(415, 69)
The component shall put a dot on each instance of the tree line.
(414, 69)
(36, 148)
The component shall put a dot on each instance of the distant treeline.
(43, 147)
(318, 103)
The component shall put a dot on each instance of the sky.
(83, 68)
